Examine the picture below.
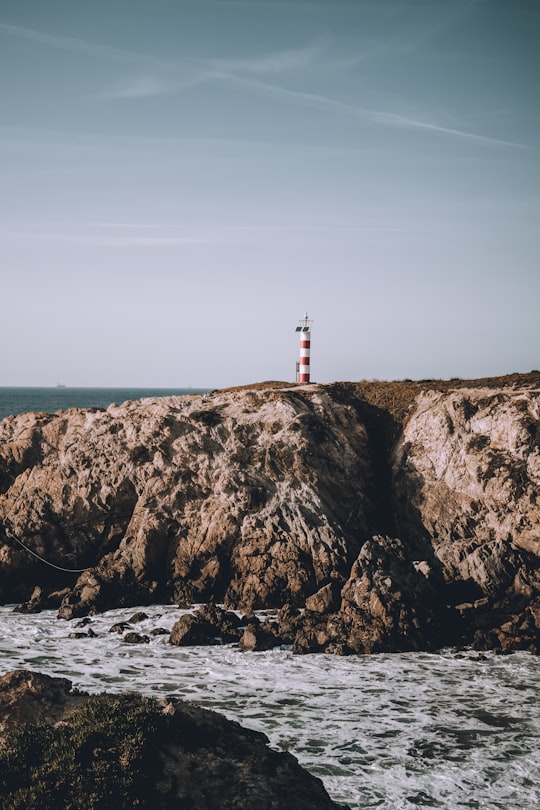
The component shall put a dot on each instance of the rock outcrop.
(252, 498)
(63, 748)
(396, 516)
(467, 480)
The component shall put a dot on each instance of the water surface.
(391, 731)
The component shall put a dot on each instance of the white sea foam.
(388, 731)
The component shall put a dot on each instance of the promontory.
(373, 516)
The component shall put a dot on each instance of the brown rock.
(312, 634)
(327, 599)
(387, 604)
(192, 631)
(467, 471)
(28, 697)
(136, 638)
(119, 627)
(209, 624)
(187, 498)
(288, 618)
(140, 616)
(257, 638)
(267, 496)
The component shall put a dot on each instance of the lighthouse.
(302, 366)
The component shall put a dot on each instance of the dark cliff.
(64, 748)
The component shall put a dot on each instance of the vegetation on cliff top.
(397, 396)
(101, 756)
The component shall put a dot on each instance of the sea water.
(398, 731)
(388, 731)
(16, 400)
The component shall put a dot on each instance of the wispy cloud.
(141, 241)
(110, 240)
(75, 44)
(318, 228)
(191, 71)
(277, 62)
(142, 86)
(128, 225)
(393, 119)
(381, 117)
(162, 77)
(156, 77)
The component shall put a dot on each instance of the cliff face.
(255, 497)
(265, 496)
(468, 466)
(467, 480)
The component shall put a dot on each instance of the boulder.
(326, 599)
(136, 638)
(140, 616)
(193, 631)
(259, 637)
(209, 624)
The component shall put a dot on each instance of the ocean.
(49, 400)
(401, 731)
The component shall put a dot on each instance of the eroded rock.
(377, 509)
(252, 498)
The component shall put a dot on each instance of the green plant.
(99, 757)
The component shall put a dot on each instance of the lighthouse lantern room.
(302, 366)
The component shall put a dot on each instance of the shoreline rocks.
(378, 510)
(59, 744)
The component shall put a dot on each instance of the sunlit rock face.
(467, 472)
(400, 516)
(251, 497)
(467, 479)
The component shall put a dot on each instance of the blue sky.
(181, 179)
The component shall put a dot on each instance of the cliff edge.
(396, 516)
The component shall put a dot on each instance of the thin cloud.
(141, 241)
(394, 119)
(112, 240)
(166, 78)
(126, 225)
(162, 77)
(192, 71)
(374, 116)
(75, 44)
(320, 228)
(142, 87)
(278, 62)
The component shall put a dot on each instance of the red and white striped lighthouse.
(302, 367)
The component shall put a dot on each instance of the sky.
(181, 180)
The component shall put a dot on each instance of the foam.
(387, 731)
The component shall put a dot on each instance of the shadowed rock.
(63, 748)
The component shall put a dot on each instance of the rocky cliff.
(395, 515)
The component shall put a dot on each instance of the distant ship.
(60, 385)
